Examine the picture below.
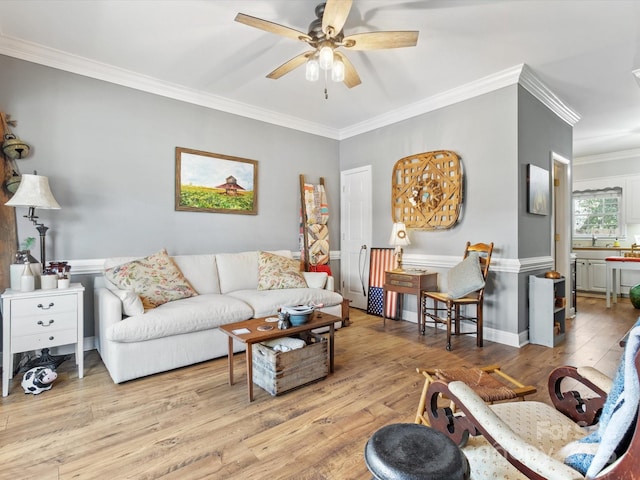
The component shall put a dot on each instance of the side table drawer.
(24, 343)
(49, 305)
(400, 280)
(41, 324)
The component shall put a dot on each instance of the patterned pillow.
(155, 278)
(276, 272)
(466, 277)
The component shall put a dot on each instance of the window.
(598, 213)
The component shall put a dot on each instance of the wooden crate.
(279, 372)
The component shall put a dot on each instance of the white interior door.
(561, 232)
(355, 227)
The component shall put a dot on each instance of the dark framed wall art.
(211, 182)
(538, 198)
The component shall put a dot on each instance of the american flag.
(381, 259)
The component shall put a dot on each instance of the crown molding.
(60, 60)
(608, 157)
(539, 90)
(455, 95)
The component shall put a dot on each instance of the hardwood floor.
(190, 424)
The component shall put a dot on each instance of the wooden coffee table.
(239, 332)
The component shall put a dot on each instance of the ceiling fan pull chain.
(326, 93)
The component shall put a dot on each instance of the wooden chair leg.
(479, 328)
(449, 308)
(421, 418)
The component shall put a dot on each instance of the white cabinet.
(631, 195)
(547, 310)
(628, 279)
(41, 319)
(597, 276)
(591, 275)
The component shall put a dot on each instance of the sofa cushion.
(276, 272)
(192, 314)
(267, 302)
(466, 277)
(239, 271)
(200, 271)
(131, 302)
(155, 278)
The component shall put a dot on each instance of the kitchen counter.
(605, 249)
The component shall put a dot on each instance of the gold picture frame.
(215, 183)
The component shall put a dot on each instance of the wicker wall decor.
(427, 190)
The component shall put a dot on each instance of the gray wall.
(496, 135)
(540, 132)
(109, 153)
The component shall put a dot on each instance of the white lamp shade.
(399, 236)
(312, 72)
(34, 192)
(337, 71)
(325, 58)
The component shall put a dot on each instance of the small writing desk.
(412, 282)
(614, 264)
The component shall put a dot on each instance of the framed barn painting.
(538, 190)
(210, 182)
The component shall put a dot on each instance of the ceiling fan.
(326, 36)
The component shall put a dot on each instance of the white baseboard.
(491, 334)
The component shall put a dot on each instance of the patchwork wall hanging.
(314, 228)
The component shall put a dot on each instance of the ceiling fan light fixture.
(337, 71)
(312, 72)
(325, 57)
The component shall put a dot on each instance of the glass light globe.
(326, 57)
(337, 71)
(312, 72)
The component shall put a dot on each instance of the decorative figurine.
(38, 380)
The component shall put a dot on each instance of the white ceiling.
(582, 51)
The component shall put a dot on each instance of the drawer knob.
(50, 322)
(51, 337)
(45, 308)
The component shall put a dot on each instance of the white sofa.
(184, 332)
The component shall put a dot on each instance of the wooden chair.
(447, 310)
(490, 383)
(525, 440)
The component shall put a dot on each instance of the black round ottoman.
(409, 451)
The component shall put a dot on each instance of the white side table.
(41, 319)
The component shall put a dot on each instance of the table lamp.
(34, 192)
(399, 238)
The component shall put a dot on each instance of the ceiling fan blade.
(271, 27)
(380, 40)
(335, 14)
(351, 77)
(289, 65)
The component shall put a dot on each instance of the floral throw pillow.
(156, 279)
(276, 272)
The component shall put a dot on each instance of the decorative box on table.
(278, 372)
